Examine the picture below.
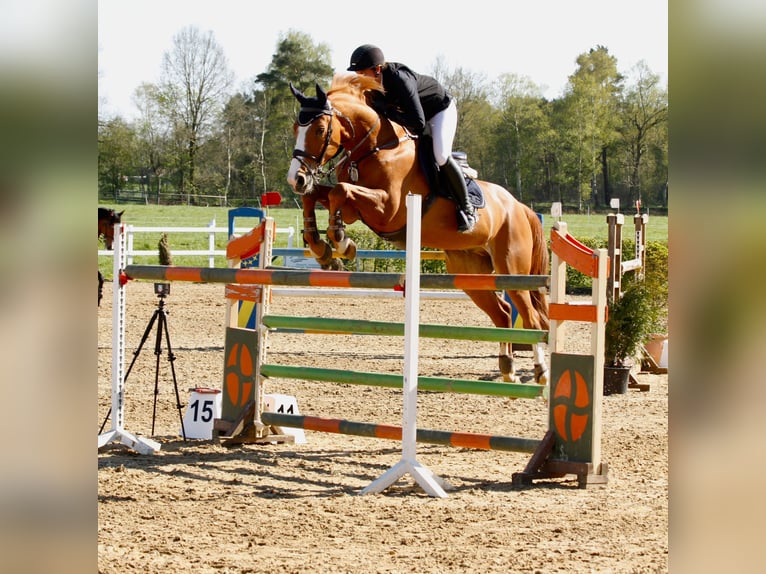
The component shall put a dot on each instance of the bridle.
(319, 170)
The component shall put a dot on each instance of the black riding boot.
(466, 214)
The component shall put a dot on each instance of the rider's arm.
(402, 92)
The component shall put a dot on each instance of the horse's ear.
(321, 94)
(120, 214)
(297, 93)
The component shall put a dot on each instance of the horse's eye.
(320, 131)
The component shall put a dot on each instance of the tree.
(117, 154)
(196, 79)
(592, 99)
(237, 131)
(475, 115)
(300, 61)
(152, 131)
(522, 132)
(643, 111)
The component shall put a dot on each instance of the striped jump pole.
(321, 278)
(438, 384)
(360, 254)
(319, 325)
(392, 432)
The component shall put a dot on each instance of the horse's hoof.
(335, 264)
(541, 375)
(510, 378)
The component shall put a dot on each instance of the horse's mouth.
(303, 185)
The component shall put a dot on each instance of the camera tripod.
(160, 316)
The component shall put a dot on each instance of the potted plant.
(631, 321)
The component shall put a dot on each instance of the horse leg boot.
(337, 234)
(466, 214)
(541, 367)
(321, 250)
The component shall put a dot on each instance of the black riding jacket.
(411, 99)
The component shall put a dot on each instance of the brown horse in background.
(107, 218)
(376, 167)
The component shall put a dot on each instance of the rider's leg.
(466, 215)
(443, 126)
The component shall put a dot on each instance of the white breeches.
(443, 127)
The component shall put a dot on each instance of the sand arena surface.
(201, 507)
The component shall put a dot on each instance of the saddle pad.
(475, 194)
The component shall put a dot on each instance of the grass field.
(581, 226)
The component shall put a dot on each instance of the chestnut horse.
(107, 218)
(376, 167)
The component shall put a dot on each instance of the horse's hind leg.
(499, 311)
(531, 319)
(100, 287)
(496, 308)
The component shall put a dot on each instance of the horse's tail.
(540, 264)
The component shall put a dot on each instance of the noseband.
(310, 115)
(319, 161)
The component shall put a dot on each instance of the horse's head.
(314, 144)
(328, 123)
(107, 218)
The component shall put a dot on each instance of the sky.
(539, 40)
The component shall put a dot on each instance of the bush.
(656, 278)
(366, 239)
(632, 319)
(656, 273)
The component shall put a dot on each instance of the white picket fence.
(211, 231)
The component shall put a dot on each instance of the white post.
(597, 342)
(211, 243)
(261, 310)
(130, 245)
(118, 432)
(557, 329)
(432, 484)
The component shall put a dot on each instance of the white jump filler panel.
(204, 406)
(287, 404)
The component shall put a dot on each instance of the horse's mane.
(354, 85)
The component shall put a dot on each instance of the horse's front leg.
(320, 249)
(347, 204)
(100, 287)
(336, 233)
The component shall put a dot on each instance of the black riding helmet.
(366, 56)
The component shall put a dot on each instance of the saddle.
(425, 151)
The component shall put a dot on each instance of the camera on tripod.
(162, 289)
(160, 317)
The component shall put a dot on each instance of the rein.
(353, 165)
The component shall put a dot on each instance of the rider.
(414, 100)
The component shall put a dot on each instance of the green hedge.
(655, 276)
